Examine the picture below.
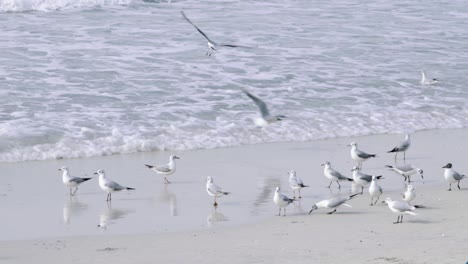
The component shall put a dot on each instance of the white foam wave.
(50, 5)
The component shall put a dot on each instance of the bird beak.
(311, 211)
(95, 173)
(322, 164)
(384, 202)
(175, 157)
(444, 167)
(59, 169)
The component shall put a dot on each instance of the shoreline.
(248, 233)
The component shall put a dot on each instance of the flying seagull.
(211, 44)
(266, 118)
(425, 81)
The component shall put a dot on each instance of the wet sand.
(178, 223)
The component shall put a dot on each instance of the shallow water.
(97, 77)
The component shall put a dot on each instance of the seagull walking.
(452, 176)
(406, 171)
(375, 190)
(362, 179)
(359, 155)
(332, 203)
(410, 194)
(296, 183)
(282, 201)
(266, 118)
(71, 181)
(426, 81)
(214, 190)
(402, 147)
(334, 175)
(166, 169)
(110, 186)
(211, 44)
(400, 208)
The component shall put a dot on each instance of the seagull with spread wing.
(211, 44)
(266, 118)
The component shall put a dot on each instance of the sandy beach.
(177, 223)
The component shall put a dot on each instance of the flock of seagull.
(282, 201)
(359, 178)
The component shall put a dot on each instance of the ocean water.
(81, 78)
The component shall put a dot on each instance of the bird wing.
(334, 202)
(260, 104)
(199, 30)
(365, 177)
(215, 189)
(77, 180)
(402, 206)
(336, 174)
(363, 154)
(113, 185)
(162, 168)
(457, 176)
(285, 198)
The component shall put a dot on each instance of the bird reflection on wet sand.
(72, 207)
(107, 218)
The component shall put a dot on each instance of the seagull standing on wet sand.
(70, 181)
(362, 179)
(334, 175)
(214, 190)
(110, 186)
(211, 44)
(165, 170)
(359, 155)
(410, 194)
(375, 190)
(400, 208)
(452, 176)
(266, 118)
(402, 147)
(296, 183)
(406, 171)
(281, 200)
(332, 203)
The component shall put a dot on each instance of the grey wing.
(293, 182)
(162, 168)
(338, 175)
(286, 199)
(402, 206)
(404, 145)
(260, 104)
(233, 46)
(199, 30)
(405, 167)
(363, 154)
(114, 186)
(215, 188)
(365, 177)
(337, 201)
(77, 180)
(457, 176)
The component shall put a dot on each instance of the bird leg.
(450, 187)
(339, 186)
(396, 153)
(372, 200)
(284, 211)
(376, 200)
(75, 191)
(398, 220)
(404, 155)
(166, 181)
(401, 219)
(458, 185)
(301, 196)
(71, 194)
(362, 189)
(331, 212)
(215, 203)
(279, 213)
(329, 186)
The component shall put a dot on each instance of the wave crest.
(51, 5)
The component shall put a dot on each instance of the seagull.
(165, 170)
(214, 190)
(211, 44)
(452, 176)
(362, 179)
(406, 170)
(402, 147)
(359, 155)
(281, 200)
(110, 186)
(332, 203)
(334, 175)
(296, 183)
(374, 190)
(70, 181)
(409, 195)
(400, 208)
(266, 118)
(425, 81)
